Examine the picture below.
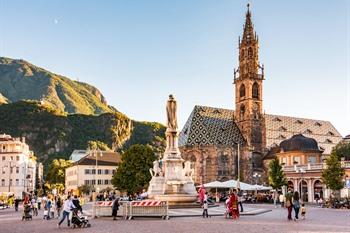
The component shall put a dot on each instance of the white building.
(17, 166)
(91, 171)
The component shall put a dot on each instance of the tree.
(133, 172)
(277, 178)
(342, 150)
(55, 177)
(98, 145)
(84, 189)
(333, 175)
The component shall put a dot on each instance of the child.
(205, 209)
(46, 214)
(303, 211)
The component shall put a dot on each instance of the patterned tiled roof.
(215, 126)
(210, 126)
(279, 128)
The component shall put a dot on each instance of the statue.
(187, 171)
(171, 113)
(156, 169)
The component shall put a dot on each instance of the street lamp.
(302, 172)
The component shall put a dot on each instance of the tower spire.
(248, 29)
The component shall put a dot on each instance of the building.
(303, 163)
(77, 155)
(17, 166)
(95, 170)
(211, 136)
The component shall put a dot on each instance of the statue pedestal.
(175, 183)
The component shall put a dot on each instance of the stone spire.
(249, 37)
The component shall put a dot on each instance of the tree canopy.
(55, 177)
(342, 150)
(333, 175)
(133, 173)
(277, 178)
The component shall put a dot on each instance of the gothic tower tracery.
(248, 80)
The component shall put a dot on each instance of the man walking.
(67, 207)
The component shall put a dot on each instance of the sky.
(138, 52)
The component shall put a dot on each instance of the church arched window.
(242, 91)
(242, 111)
(255, 91)
(250, 52)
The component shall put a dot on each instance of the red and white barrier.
(146, 203)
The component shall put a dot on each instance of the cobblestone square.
(317, 220)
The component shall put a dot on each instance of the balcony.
(251, 76)
(313, 167)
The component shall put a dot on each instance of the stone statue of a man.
(171, 113)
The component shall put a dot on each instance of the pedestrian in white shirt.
(67, 208)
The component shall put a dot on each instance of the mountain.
(51, 134)
(21, 80)
(58, 115)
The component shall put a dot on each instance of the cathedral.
(225, 144)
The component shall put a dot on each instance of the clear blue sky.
(138, 52)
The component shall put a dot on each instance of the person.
(76, 203)
(67, 208)
(281, 197)
(201, 194)
(115, 208)
(35, 208)
(303, 211)
(239, 197)
(227, 212)
(233, 205)
(289, 205)
(58, 206)
(39, 202)
(205, 209)
(48, 206)
(296, 205)
(16, 204)
(320, 202)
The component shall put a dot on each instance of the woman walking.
(233, 205)
(296, 205)
(288, 204)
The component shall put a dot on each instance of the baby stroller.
(27, 212)
(79, 220)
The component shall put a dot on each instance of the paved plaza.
(318, 220)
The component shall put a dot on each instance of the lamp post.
(256, 176)
(302, 172)
(96, 153)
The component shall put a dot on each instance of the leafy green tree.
(84, 189)
(55, 177)
(334, 173)
(277, 178)
(133, 172)
(98, 145)
(342, 150)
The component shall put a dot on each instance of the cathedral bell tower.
(248, 80)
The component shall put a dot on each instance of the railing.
(252, 76)
(312, 167)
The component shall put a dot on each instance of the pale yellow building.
(94, 170)
(17, 166)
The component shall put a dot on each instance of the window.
(87, 171)
(93, 182)
(284, 161)
(3, 148)
(86, 182)
(99, 171)
(250, 51)
(17, 182)
(318, 124)
(106, 182)
(3, 158)
(93, 171)
(312, 159)
(242, 91)
(106, 171)
(3, 182)
(282, 129)
(3, 170)
(296, 160)
(255, 91)
(17, 158)
(330, 133)
(242, 111)
(99, 182)
(17, 170)
(11, 170)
